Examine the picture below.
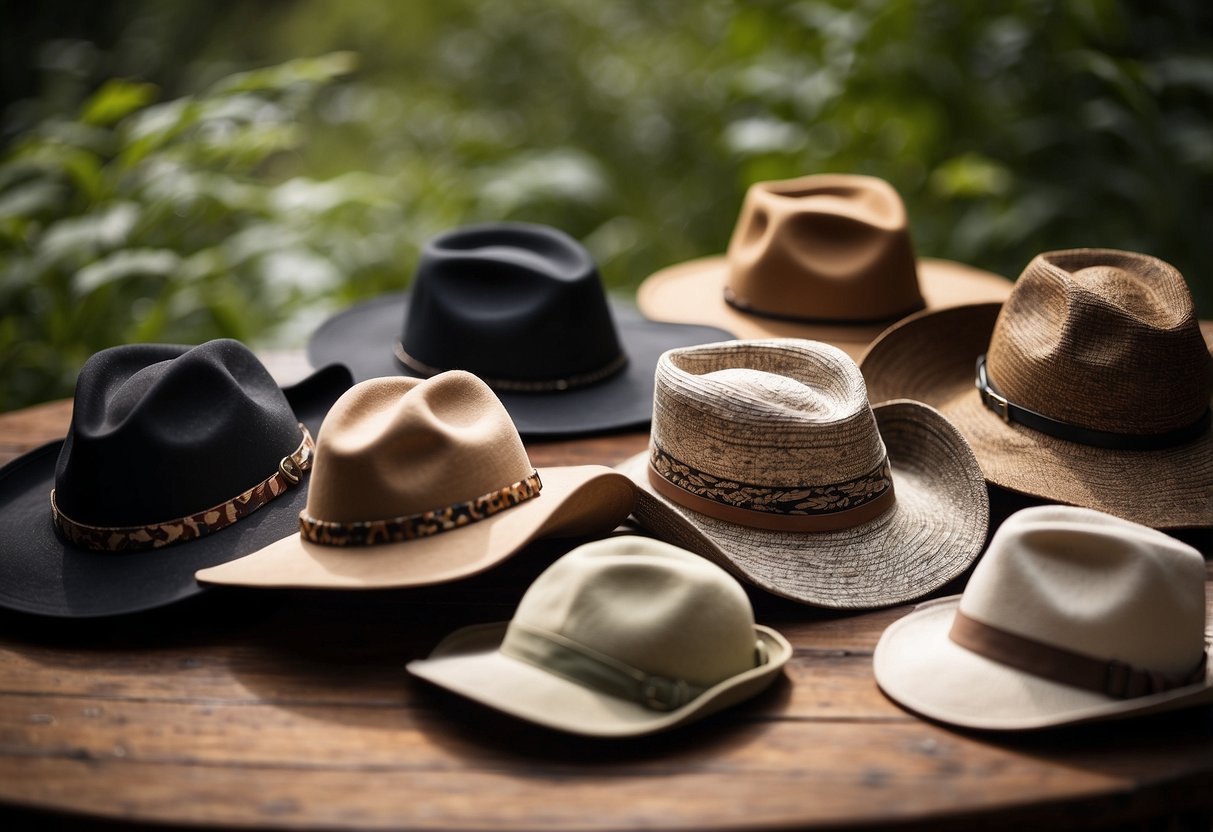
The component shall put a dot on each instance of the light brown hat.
(766, 458)
(1072, 616)
(421, 482)
(620, 637)
(1096, 385)
(826, 257)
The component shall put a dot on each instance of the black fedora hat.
(522, 307)
(177, 458)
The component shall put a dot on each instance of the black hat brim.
(363, 336)
(43, 575)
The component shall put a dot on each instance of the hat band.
(191, 527)
(520, 385)
(1009, 412)
(423, 524)
(587, 667)
(731, 298)
(1107, 676)
(793, 508)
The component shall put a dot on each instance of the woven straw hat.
(826, 257)
(620, 637)
(423, 482)
(1072, 616)
(1098, 385)
(766, 458)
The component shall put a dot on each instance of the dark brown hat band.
(813, 508)
(423, 524)
(1107, 676)
(1009, 412)
(516, 385)
(743, 305)
(154, 535)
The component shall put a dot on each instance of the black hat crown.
(520, 305)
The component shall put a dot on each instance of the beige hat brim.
(575, 500)
(693, 292)
(920, 667)
(469, 663)
(931, 357)
(934, 531)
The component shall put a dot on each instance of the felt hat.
(766, 458)
(826, 257)
(1073, 615)
(424, 481)
(1089, 386)
(522, 307)
(620, 637)
(176, 458)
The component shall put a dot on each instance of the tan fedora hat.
(1073, 615)
(766, 458)
(826, 257)
(422, 482)
(620, 637)
(1096, 385)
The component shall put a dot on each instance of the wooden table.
(294, 710)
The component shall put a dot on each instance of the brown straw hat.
(620, 637)
(1072, 616)
(422, 482)
(766, 458)
(826, 257)
(1097, 385)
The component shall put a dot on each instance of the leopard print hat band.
(422, 524)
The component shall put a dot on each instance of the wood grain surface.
(293, 710)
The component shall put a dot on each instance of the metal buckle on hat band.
(155, 535)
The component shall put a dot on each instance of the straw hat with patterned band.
(425, 481)
(620, 637)
(1072, 616)
(766, 458)
(1090, 386)
(522, 307)
(177, 458)
(826, 257)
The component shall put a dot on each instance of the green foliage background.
(185, 202)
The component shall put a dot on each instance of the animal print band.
(425, 524)
(291, 470)
(792, 508)
(517, 385)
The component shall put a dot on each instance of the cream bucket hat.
(767, 459)
(620, 637)
(1073, 615)
(422, 482)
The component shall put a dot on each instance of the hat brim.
(362, 337)
(575, 500)
(933, 532)
(921, 668)
(931, 357)
(470, 663)
(44, 575)
(693, 292)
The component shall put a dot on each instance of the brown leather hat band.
(808, 509)
(1107, 676)
(154, 535)
(1020, 415)
(518, 385)
(743, 305)
(423, 524)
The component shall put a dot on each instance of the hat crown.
(161, 431)
(509, 301)
(1094, 584)
(828, 247)
(778, 413)
(650, 605)
(1103, 339)
(394, 447)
